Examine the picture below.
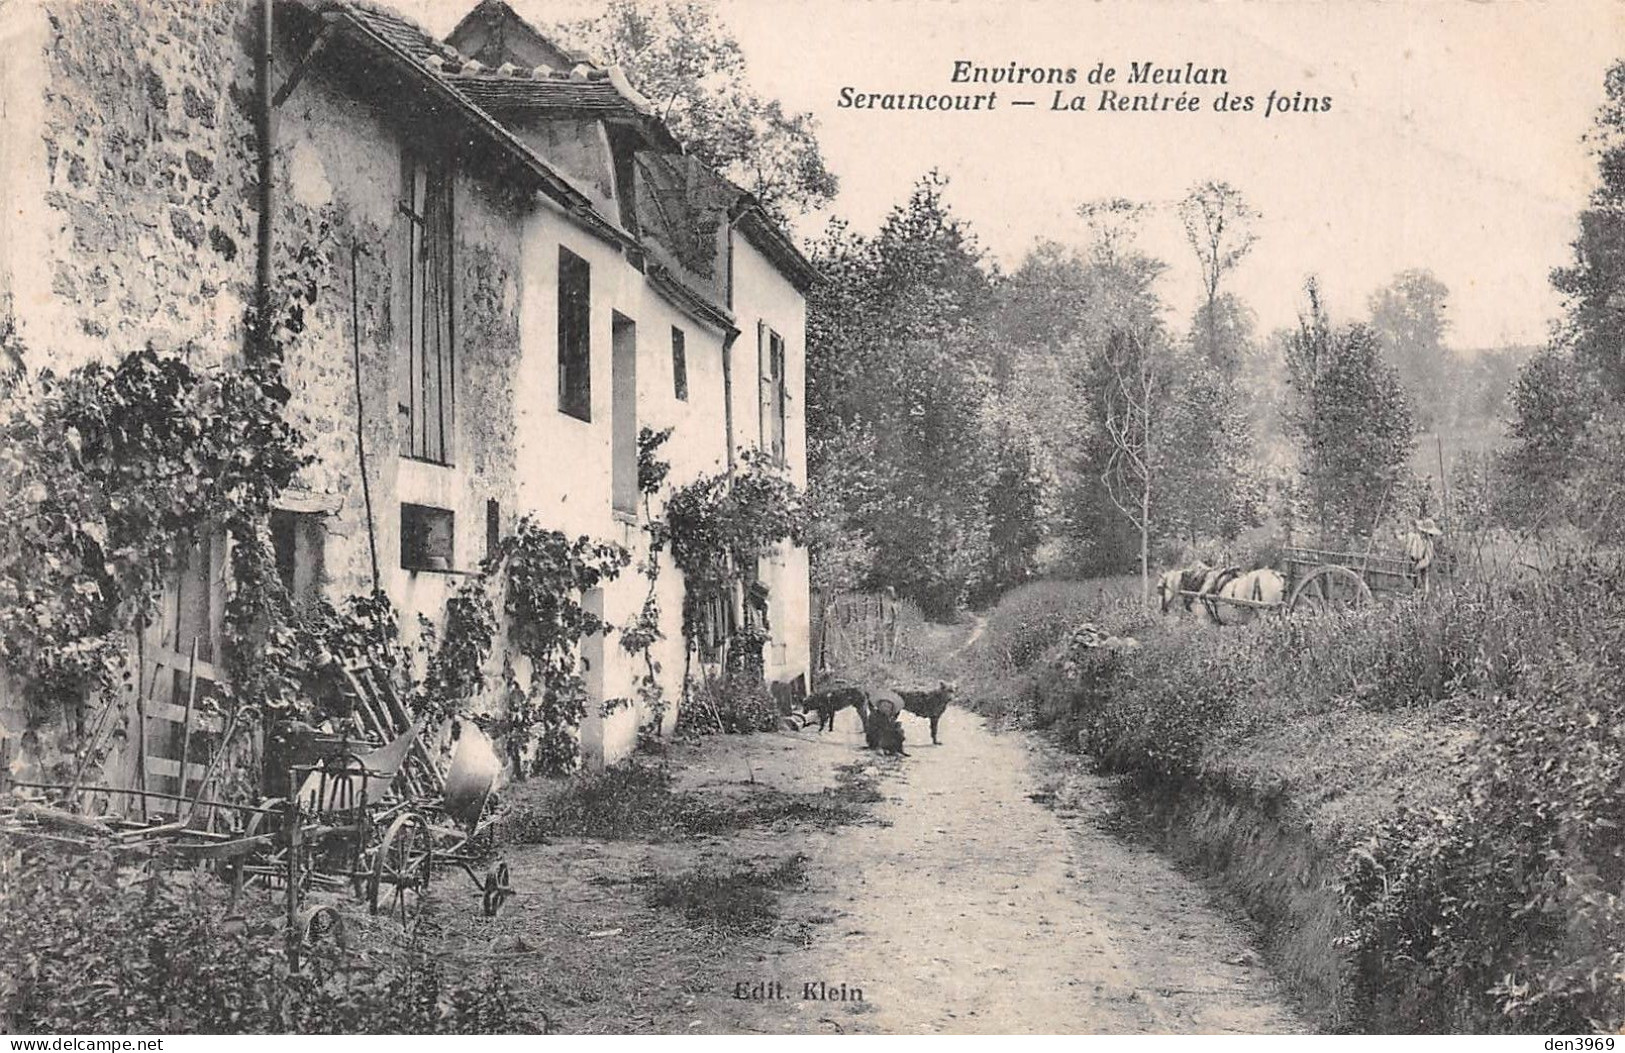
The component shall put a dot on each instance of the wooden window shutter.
(764, 387)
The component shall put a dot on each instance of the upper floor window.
(575, 335)
(679, 364)
(427, 389)
(774, 397)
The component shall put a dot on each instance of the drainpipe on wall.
(267, 143)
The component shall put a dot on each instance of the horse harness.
(1223, 578)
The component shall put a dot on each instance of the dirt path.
(993, 902)
(981, 894)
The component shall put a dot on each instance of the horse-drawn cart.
(1314, 580)
(1320, 580)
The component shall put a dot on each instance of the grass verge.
(636, 802)
(739, 901)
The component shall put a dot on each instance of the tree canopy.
(687, 61)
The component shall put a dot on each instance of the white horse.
(1182, 579)
(1258, 586)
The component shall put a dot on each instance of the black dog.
(928, 704)
(884, 733)
(832, 700)
(881, 729)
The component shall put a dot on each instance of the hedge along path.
(980, 909)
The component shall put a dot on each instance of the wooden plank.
(174, 714)
(171, 769)
(162, 658)
(1232, 601)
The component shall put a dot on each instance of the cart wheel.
(1330, 587)
(403, 861)
(323, 925)
(496, 889)
(321, 935)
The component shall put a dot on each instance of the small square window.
(679, 364)
(426, 538)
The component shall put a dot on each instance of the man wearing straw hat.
(1419, 550)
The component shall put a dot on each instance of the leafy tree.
(1209, 483)
(898, 379)
(1219, 224)
(1352, 420)
(1409, 317)
(1119, 364)
(1114, 226)
(1554, 400)
(1015, 511)
(1566, 400)
(1593, 286)
(680, 55)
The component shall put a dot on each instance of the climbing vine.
(111, 473)
(545, 577)
(719, 526)
(639, 636)
(458, 651)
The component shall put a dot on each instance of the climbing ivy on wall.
(721, 524)
(545, 578)
(639, 636)
(111, 473)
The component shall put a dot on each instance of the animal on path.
(881, 729)
(1258, 586)
(1182, 579)
(929, 703)
(831, 700)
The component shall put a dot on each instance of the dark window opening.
(427, 387)
(575, 335)
(426, 538)
(679, 364)
(493, 528)
(299, 542)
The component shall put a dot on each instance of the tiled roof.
(402, 32)
(488, 95)
(510, 94)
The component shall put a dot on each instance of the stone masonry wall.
(141, 229)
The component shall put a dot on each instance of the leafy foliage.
(545, 578)
(1352, 420)
(111, 473)
(456, 667)
(1221, 229)
(1409, 318)
(1501, 912)
(898, 376)
(1569, 401)
(722, 523)
(1594, 329)
(158, 959)
(736, 703)
(643, 632)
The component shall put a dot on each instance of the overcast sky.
(1453, 142)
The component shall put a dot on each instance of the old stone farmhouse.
(518, 268)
